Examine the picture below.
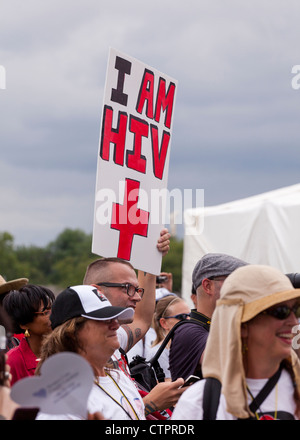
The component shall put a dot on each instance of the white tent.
(263, 229)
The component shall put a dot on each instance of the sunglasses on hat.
(283, 312)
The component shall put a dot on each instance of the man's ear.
(207, 285)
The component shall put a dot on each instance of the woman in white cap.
(85, 322)
(249, 353)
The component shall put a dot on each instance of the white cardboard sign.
(2, 78)
(63, 388)
(133, 162)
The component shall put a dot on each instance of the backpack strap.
(265, 391)
(164, 343)
(211, 398)
(212, 391)
(170, 335)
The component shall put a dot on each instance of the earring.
(27, 334)
(244, 347)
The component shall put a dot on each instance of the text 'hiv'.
(142, 126)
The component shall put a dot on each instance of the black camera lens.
(161, 279)
(295, 279)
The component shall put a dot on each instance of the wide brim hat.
(7, 286)
(248, 291)
(86, 301)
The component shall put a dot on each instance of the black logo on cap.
(100, 295)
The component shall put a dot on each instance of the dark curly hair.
(22, 304)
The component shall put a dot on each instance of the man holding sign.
(133, 161)
(118, 281)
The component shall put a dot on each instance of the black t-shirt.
(187, 346)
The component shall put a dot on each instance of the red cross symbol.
(128, 219)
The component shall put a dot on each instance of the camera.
(161, 279)
(295, 279)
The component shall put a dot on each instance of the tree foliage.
(63, 261)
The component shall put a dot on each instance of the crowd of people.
(235, 344)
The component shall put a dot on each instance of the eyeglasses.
(131, 290)
(180, 316)
(283, 312)
(45, 312)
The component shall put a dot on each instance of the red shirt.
(22, 361)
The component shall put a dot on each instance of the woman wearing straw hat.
(7, 286)
(249, 351)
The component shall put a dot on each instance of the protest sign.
(2, 78)
(63, 387)
(133, 162)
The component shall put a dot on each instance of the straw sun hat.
(6, 286)
(248, 291)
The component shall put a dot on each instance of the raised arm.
(145, 308)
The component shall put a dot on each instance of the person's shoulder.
(188, 327)
(189, 406)
(13, 353)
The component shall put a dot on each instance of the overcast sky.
(236, 129)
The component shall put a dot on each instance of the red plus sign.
(128, 219)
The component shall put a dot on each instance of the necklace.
(265, 417)
(121, 391)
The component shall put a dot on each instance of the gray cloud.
(236, 127)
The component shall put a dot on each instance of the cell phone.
(190, 380)
(161, 279)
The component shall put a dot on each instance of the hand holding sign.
(63, 387)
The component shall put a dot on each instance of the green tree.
(35, 263)
(8, 259)
(172, 262)
(63, 261)
(69, 255)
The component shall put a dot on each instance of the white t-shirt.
(189, 406)
(99, 401)
(123, 340)
(143, 347)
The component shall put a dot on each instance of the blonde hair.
(63, 338)
(161, 309)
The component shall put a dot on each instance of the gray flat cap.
(215, 265)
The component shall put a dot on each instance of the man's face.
(217, 284)
(120, 273)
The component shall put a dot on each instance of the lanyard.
(109, 395)
(271, 383)
(276, 401)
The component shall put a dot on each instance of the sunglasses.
(283, 312)
(130, 289)
(45, 312)
(180, 316)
